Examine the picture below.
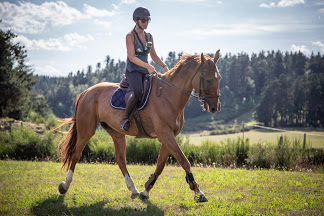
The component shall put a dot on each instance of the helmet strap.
(139, 25)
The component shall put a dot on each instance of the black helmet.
(140, 12)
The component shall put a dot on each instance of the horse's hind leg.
(163, 157)
(85, 130)
(120, 149)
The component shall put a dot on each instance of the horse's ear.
(202, 58)
(216, 56)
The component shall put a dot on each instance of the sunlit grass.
(256, 136)
(30, 188)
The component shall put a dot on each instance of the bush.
(231, 153)
(290, 154)
(24, 144)
(142, 150)
(100, 148)
(261, 155)
(51, 122)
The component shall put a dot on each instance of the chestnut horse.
(162, 118)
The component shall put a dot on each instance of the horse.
(162, 118)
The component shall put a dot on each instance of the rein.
(201, 80)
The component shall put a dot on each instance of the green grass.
(30, 188)
(256, 136)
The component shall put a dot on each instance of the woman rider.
(139, 44)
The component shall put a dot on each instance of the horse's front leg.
(163, 156)
(169, 140)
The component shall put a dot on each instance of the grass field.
(30, 188)
(256, 136)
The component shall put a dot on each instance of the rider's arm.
(132, 57)
(156, 58)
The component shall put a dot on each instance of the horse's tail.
(67, 145)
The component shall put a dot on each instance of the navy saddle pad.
(118, 99)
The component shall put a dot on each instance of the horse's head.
(206, 83)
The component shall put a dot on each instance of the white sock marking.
(130, 184)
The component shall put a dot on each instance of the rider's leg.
(135, 80)
(130, 105)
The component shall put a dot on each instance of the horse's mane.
(186, 63)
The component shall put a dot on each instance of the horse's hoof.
(199, 198)
(61, 189)
(144, 195)
(135, 195)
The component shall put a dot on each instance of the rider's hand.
(151, 69)
(166, 68)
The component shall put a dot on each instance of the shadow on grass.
(56, 206)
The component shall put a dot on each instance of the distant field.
(256, 136)
(30, 188)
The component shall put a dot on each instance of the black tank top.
(141, 52)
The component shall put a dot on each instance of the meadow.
(256, 136)
(30, 188)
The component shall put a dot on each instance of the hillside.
(7, 124)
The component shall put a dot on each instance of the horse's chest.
(179, 123)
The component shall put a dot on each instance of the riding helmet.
(140, 12)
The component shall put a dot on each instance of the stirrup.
(125, 124)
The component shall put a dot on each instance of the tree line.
(282, 88)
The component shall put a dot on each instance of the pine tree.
(16, 78)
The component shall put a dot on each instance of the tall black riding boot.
(130, 106)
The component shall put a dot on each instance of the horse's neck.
(179, 98)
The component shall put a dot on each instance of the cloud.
(94, 12)
(282, 3)
(301, 48)
(321, 10)
(270, 5)
(319, 44)
(65, 43)
(242, 29)
(48, 70)
(104, 24)
(128, 1)
(190, 1)
(289, 3)
(26, 17)
(321, 3)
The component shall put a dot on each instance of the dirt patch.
(7, 124)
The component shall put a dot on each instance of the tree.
(16, 78)
(315, 100)
(265, 111)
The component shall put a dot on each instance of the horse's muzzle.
(212, 107)
(217, 108)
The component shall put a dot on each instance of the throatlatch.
(149, 184)
(190, 178)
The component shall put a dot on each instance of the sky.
(65, 36)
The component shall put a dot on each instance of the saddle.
(121, 95)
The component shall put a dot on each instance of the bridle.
(202, 98)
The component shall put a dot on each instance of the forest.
(283, 89)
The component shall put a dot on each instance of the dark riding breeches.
(135, 80)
